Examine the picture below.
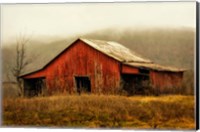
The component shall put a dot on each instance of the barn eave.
(153, 66)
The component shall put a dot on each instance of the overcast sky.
(69, 19)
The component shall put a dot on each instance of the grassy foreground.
(95, 111)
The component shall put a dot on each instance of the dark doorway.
(34, 87)
(83, 84)
(135, 83)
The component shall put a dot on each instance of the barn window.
(83, 84)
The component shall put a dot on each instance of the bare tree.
(21, 61)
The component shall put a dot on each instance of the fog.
(64, 20)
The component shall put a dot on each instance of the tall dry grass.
(95, 111)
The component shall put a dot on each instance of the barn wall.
(166, 82)
(81, 60)
(129, 70)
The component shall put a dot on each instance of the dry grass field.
(101, 111)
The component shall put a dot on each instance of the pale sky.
(69, 19)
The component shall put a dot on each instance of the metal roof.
(110, 48)
(115, 50)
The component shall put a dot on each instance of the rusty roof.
(110, 48)
(116, 51)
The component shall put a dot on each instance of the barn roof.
(154, 66)
(110, 48)
(115, 50)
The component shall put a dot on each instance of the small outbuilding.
(97, 66)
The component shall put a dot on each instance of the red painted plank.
(129, 70)
(166, 80)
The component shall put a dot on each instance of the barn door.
(83, 84)
(34, 87)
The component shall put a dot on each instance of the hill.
(173, 47)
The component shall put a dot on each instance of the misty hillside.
(164, 46)
(173, 47)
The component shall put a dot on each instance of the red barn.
(99, 66)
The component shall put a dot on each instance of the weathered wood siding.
(129, 70)
(81, 60)
(166, 82)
